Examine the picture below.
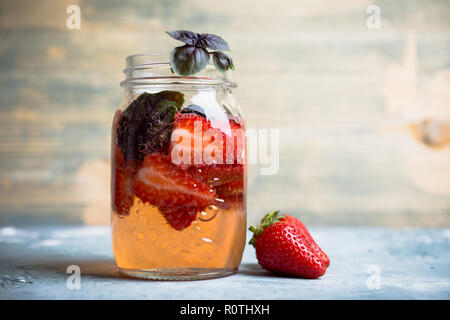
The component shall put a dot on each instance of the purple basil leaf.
(187, 60)
(185, 36)
(211, 41)
(222, 61)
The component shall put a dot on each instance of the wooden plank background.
(363, 114)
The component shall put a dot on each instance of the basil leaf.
(185, 36)
(211, 41)
(146, 124)
(222, 61)
(174, 96)
(204, 40)
(187, 60)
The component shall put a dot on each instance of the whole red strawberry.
(300, 227)
(282, 249)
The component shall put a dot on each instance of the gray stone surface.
(412, 264)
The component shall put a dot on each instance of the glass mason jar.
(178, 173)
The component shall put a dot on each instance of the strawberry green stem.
(267, 220)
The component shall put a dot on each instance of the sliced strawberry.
(179, 217)
(300, 227)
(196, 140)
(187, 127)
(122, 195)
(236, 200)
(230, 194)
(121, 180)
(217, 174)
(119, 159)
(117, 156)
(230, 188)
(173, 190)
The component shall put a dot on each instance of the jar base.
(178, 274)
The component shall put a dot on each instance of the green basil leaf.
(211, 41)
(146, 124)
(174, 96)
(222, 61)
(185, 36)
(187, 60)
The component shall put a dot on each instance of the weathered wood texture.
(350, 103)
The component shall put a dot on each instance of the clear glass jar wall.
(178, 187)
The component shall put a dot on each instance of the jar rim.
(150, 68)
